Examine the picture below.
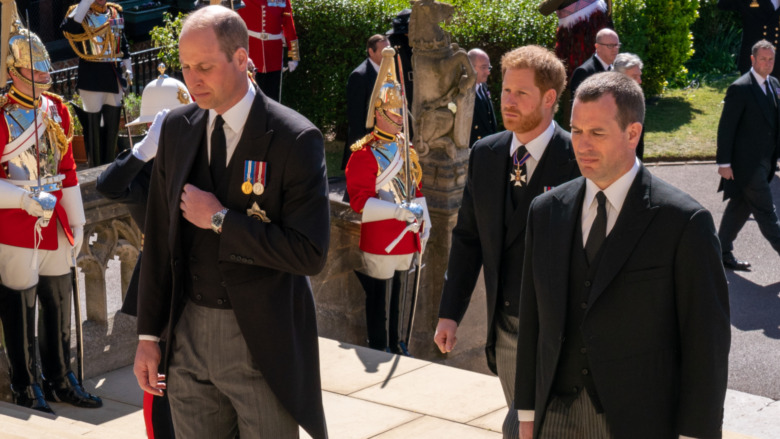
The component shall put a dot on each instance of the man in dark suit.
(359, 86)
(607, 48)
(237, 219)
(759, 21)
(624, 309)
(483, 123)
(748, 140)
(535, 154)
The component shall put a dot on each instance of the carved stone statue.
(444, 82)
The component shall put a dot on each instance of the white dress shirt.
(536, 147)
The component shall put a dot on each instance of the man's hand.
(147, 360)
(445, 335)
(726, 172)
(199, 206)
(526, 430)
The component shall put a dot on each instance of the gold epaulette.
(116, 6)
(3, 100)
(357, 146)
(54, 96)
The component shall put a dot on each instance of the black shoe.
(69, 390)
(32, 398)
(732, 263)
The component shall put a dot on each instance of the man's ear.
(242, 58)
(634, 131)
(549, 97)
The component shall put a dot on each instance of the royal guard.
(271, 26)
(42, 221)
(95, 31)
(395, 223)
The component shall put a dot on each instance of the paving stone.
(428, 427)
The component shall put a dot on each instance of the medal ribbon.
(522, 161)
(249, 171)
(260, 168)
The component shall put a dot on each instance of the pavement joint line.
(385, 379)
(679, 163)
(397, 426)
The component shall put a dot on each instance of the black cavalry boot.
(92, 138)
(110, 132)
(375, 310)
(60, 384)
(395, 342)
(17, 311)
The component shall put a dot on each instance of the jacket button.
(198, 297)
(250, 260)
(583, 351)
(479, 137)
(219, 301)
(587, 283)
(232, 257)
(506, 303)
(584, 305)
(476, 127)
(574, 389)
(195, 277)
(585, 371)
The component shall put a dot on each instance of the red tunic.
(375, 236)
(17, 225)
(272, 18)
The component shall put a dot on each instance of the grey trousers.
(214, 388)
(580, 421)
(507, 328)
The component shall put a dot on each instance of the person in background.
(483, 123)
(630, 65)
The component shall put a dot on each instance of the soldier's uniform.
(270, 24)
(96, 34)
(38, 236)
(377, 189)
(760, 21)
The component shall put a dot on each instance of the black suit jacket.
(359, 87)
(581, 73)
(748, 132)
(265, 265)
(126, 180)
(656, 327)
(479, 237)
(757, 23)
(483, 122)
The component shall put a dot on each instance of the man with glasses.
(483, 123)
(607, 48)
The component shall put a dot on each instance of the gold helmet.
(23, 49)
(387, 94)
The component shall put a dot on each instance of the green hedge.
(332, 36)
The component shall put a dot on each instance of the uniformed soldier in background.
(760, 21)
(43, 225)
(95, 31)
(391, 231)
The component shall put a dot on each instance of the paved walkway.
(367, 394)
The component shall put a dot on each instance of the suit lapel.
(253, 145)
(186, 151)
(634, 218)
(760, 96)
(494, 175)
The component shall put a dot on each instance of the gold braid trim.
(416, 171)
(103, 32)
(3, 100)
(357, 146)
(60, 100)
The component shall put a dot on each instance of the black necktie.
(598, 231)
(768, 89)
(218, 151)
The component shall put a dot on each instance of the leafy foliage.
(167, 37)
(716, 39)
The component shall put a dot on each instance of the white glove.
(74, 209)
(78, 240)
(292, 65)
(31, 206)
(81, 10)
(146, 149)
(378, 210)
(426, 233)
(128, 65)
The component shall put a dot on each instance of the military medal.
(258, 213)
(518, 173)
(254, 177)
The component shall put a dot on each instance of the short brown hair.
(628, 95)
(228, 26)
(761, 44)
(549, 72)
(373, 41)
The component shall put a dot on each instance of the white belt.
(48, 184)
(265, 36)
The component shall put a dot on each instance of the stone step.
(18, 422)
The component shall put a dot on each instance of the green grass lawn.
(683, 123)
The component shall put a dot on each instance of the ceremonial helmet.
(160, 94)
(20, 48)
(387, 95)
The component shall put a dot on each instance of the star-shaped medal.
(257, 212)
(518, 176)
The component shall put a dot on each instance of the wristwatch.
(216, 221)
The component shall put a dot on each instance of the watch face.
(216, 221)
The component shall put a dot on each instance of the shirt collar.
(236, 116)
(603, 64)
(373, 64)
(758, 77)
(536, 146)
(616, 192)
